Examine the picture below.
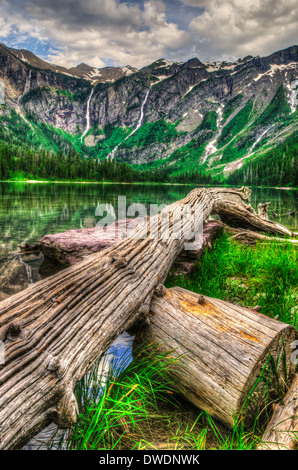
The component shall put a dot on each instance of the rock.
(73, 246)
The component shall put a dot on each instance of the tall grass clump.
(265, 275)
(117, 400)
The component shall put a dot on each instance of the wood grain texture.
(223, 349)
(56, 329)
(282, 430)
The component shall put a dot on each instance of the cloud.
(234, 28)
(137, 32)
(97, 32)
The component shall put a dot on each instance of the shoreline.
(285, 188)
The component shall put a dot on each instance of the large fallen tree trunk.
(56, 329)
(282, 430)
(226, 352)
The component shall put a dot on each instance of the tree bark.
(222, 349)
(56, 329)
(282, 430)
(229, 205)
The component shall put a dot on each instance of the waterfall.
(259, 139)
(211, 148)
(88, 115)
(139, 124)
(26, 90)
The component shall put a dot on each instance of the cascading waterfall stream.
(259, 139)
(139, 124)
(211, 148)
(87, 115)
(26, 90)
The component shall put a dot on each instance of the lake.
(28, 211)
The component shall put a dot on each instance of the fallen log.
(229, 205)
(56, 329)
(248, 237)
(282, 430)
(223, 351)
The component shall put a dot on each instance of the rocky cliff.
(184, 116)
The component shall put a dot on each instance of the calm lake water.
(28, 211)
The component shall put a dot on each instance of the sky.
(118, 32)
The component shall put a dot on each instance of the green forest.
(25, 163)
(276, 167)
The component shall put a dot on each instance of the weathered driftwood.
(263, 210)
(57, 328)
(282, 430)
(248, 237)
(223, 350)
(235, 213)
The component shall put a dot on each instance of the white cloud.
(235, 28)
(99, 32)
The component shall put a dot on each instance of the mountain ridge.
(180, 116)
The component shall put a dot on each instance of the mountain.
(92, 74)
(214, 118)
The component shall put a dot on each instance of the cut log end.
(227, 353)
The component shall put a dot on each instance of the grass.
(266, 275)
(135, 406)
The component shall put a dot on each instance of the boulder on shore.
(73, 246)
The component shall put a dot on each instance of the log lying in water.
(282, 430)
(55, 330)
(223, 350)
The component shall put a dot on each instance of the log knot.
(56, 366)
(119, 261)
(14, 331)
(201, 300)
(160, 290)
